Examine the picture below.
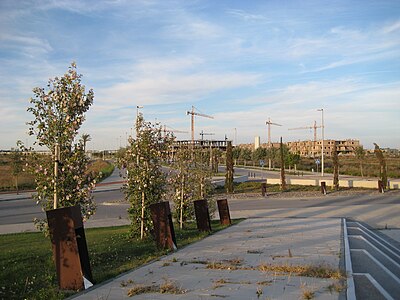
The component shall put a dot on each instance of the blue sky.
(240, 61)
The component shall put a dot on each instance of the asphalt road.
(111, 204)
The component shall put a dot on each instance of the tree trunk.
(283, 180)
(335, 160)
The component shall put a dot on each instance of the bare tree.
(283, 180)
(229, 169)
(335, 160)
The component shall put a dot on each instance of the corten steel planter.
(163, 227)
(223, 209)
(263, 189)
(323, 187)
(69, 247)
(380, 187)
(202, 215)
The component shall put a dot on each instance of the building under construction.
(313, 148)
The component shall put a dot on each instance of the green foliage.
(190, 180)
(229, 169)
(146, 183)
(236, 152)
(58, 114)
(111, 253)
(245, 154)
(382, 163)
(17, 162)
(259, 154)
(360, 155)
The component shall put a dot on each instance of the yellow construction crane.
(193, 113)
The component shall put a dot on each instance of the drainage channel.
(373, 263)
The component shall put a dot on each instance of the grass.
(27, 182)
(28, 271)
(255, 187)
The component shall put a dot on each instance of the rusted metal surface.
(202, 215)
(63, 223)
(263, 189)
(380, 187)
(223, 209)
(163, 227)
(323, 187)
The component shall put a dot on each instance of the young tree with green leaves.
(16, 165)
(229, 169)
(382, 164)
(360, 155)
(146, 182)
(59, 112)
(190, 180)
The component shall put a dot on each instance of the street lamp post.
(322, 151)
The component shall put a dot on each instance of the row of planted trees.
(62, 179)
(244, 156)
(186, 176)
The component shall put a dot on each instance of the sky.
(241, 62)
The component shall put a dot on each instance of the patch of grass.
(102, 167)
(319, 271)
(255, 187)
(111, 252)
(168, 287)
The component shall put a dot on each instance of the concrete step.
(375, 263)
(360, 243)
(363, 262)
(366, 289)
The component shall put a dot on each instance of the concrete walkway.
(255, 259)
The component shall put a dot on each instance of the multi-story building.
(313, 148)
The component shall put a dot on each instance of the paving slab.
(244, 261)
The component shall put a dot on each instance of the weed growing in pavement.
(167, 287)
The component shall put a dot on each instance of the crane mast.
(194, 113)
(269, 123)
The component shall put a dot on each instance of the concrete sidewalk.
(237, 263)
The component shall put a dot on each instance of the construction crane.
(204, 133)
(172, 130)
(310, 127)
(269, 123)
(193, 113)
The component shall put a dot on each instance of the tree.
(360, 155)
(335, 161)
(382, 163)
(229, 169)
(190, 179)
(259, 154)
(283, 180)
(272, 155)
(245, 154)
(146, 183)
(236, 153)
(59, 112)
(16, 165)
(85, 138)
